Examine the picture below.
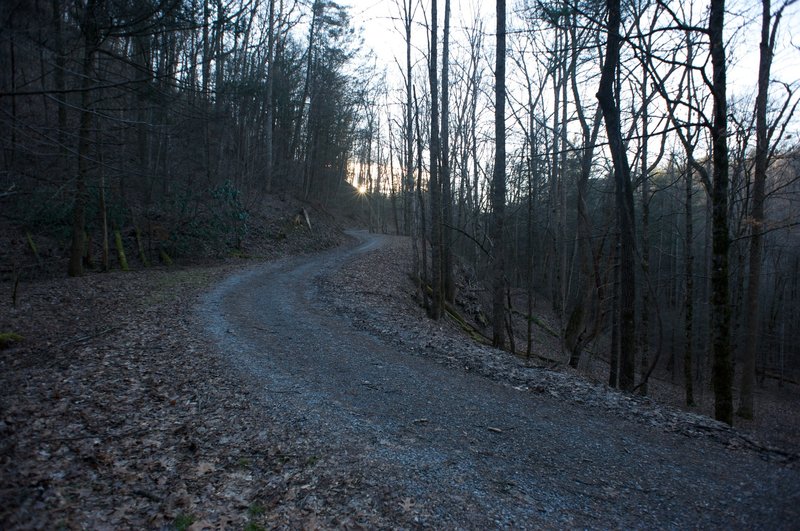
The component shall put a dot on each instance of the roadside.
(377, 296)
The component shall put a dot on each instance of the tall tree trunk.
(583, 304)
(219, 58)
(58, 75)
(89, 28)
(206, 84)
(624, 198)
(268, 155)
(722, 369)
(499, 182)
(448, 286)
(644, 333)
(613, 372)
(746, 402)
(688, 382)
(317, 9)
(409, 127)
(437, 297)
(421, 209)
(529, 251)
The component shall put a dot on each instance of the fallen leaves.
(104, 429)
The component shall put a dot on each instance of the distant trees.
(154, 111)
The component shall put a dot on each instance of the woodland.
(581, 158)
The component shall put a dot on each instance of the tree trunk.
(689, 293)
(644, 333)
(409, 139)
(58, 75)
(613, 372)
(437, 297)
(268, 155)
(583, 301)
(746, 401)
(448, 286)
(499, 182)
(624, 199)
(75, 268)
(722, 369)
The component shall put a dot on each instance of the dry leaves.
(116, 413)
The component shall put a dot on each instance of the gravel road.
(454, 450)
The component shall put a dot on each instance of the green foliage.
(230, 217)
(182, 522)
(7, 338)
(210, 222)
(256, 509)
(45, 211)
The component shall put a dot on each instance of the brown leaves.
(101, 413)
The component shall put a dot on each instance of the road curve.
(472, 453)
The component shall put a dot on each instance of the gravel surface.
(409, 435)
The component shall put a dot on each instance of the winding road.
(470, 452)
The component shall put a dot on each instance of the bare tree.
(91, 39)
(764, 133)
(437, 296)
(499, 182)
(720, 298)
(448, 286)
(624, 197)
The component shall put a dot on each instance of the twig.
(91, 336)
(149, 495)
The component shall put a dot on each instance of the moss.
(165, 258)
(256, 509)
(32, 245)
(541, 324)
(140, 247)
(123, 261)
(7, 338)
(183, 521)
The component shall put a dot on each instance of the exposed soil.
(311, 392)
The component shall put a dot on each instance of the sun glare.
(362, 189)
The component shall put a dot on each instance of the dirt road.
(456, 450)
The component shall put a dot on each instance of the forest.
(590, 157)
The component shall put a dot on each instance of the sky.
(382, 34)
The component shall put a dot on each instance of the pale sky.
(383, 35)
